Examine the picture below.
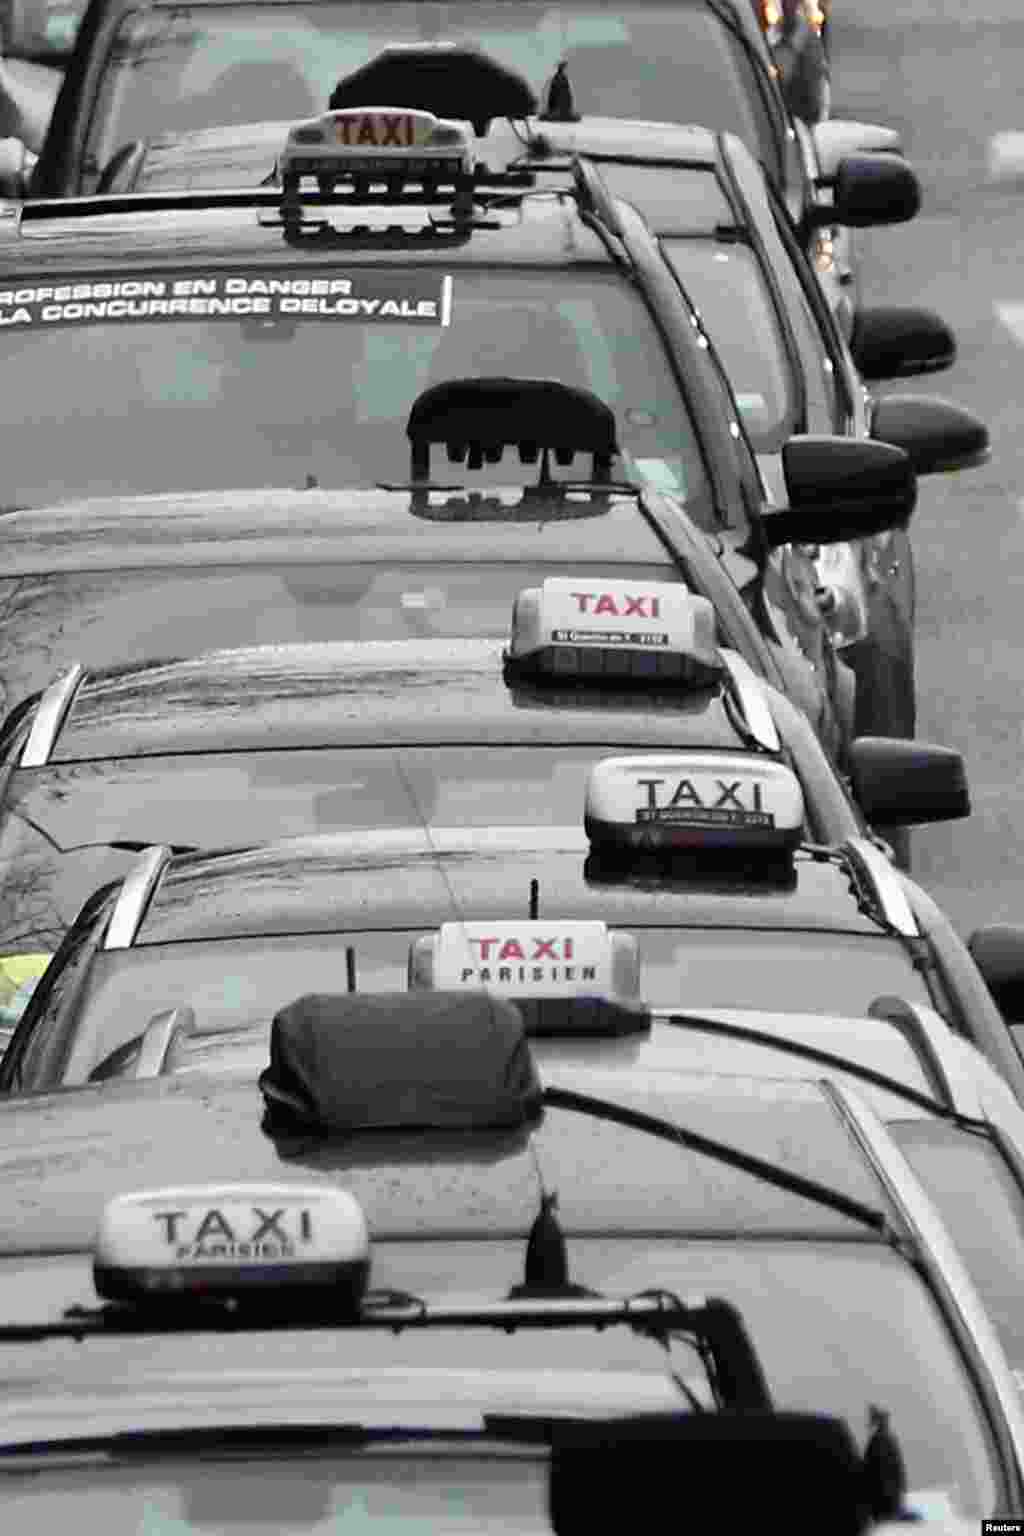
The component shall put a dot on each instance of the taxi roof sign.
(604, 628)
(565, 976)
(375, 143)
(232, 1240)
(694, 801)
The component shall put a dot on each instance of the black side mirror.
(998, 952)
(893, 343)
(907, 783)
(935, 435)
(869, 190)
(841, 488)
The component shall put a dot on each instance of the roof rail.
(930, 1036)
(51, 712)
(884, 884)
(134, 897)
(161, 1035)
(746, 686)
(594, 196)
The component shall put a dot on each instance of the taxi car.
(143, 71)
(465, 1197)
(274, 739)
(222, 363)
(799, 928)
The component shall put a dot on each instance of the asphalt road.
(948, 74)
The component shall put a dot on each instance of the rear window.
(175, 70)
(49, 622)
(204, 380)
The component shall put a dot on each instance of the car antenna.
(885, 1472)
(350, 967)
(561, 107)
(534, 900)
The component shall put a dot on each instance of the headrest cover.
(425, 1061)
(448, 79)
(504, 412)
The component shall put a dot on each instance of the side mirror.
(891, 343)
(835, 139)
(868, 190)
(935, 435)
(998, 952)
(841, 488)
(907, 783)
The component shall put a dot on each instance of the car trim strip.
(134, 897)
(931, 1038)
(160, 1035)
(947, 1277)
(747, 688)
(873, 866)
(51, 712)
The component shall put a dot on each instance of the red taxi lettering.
(398, 129)
(643, 606)
(512, 949)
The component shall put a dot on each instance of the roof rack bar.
(885, 884)
(51, 712)
(134, 897)
(161, 1034)
(747, 688)
(931, 1038)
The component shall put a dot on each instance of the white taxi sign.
(230, 1238)
(527, 959)
(385, 141)
(694, 800)
(657, 623)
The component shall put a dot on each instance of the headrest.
(487, 415)
(429, 1061)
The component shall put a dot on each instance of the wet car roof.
(38, 241)
(303, 527)
(408, 880)
(63, 1156)
(372, 693)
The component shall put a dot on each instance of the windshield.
(176, 70)
(109, 617)
(982, 1204)
(728, 289)
(238, 985)
(838, 1326)
(293, 379)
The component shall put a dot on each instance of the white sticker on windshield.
(751, 402)
(661, 474)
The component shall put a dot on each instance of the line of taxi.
(473, 1049)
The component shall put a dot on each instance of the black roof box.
(445, 1061)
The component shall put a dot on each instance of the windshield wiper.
(733, 1157)
(150, 1444)
(823, 1058)
(546, 492)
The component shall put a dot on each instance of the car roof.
(303, 527)
(40, 239)
(364, 693)
(87, 1145)
(414, 881)
(214, 157)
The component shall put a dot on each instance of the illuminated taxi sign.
(377, 141)
(694, 800)
(232, 1239)
(528, 959)
(603, 627)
